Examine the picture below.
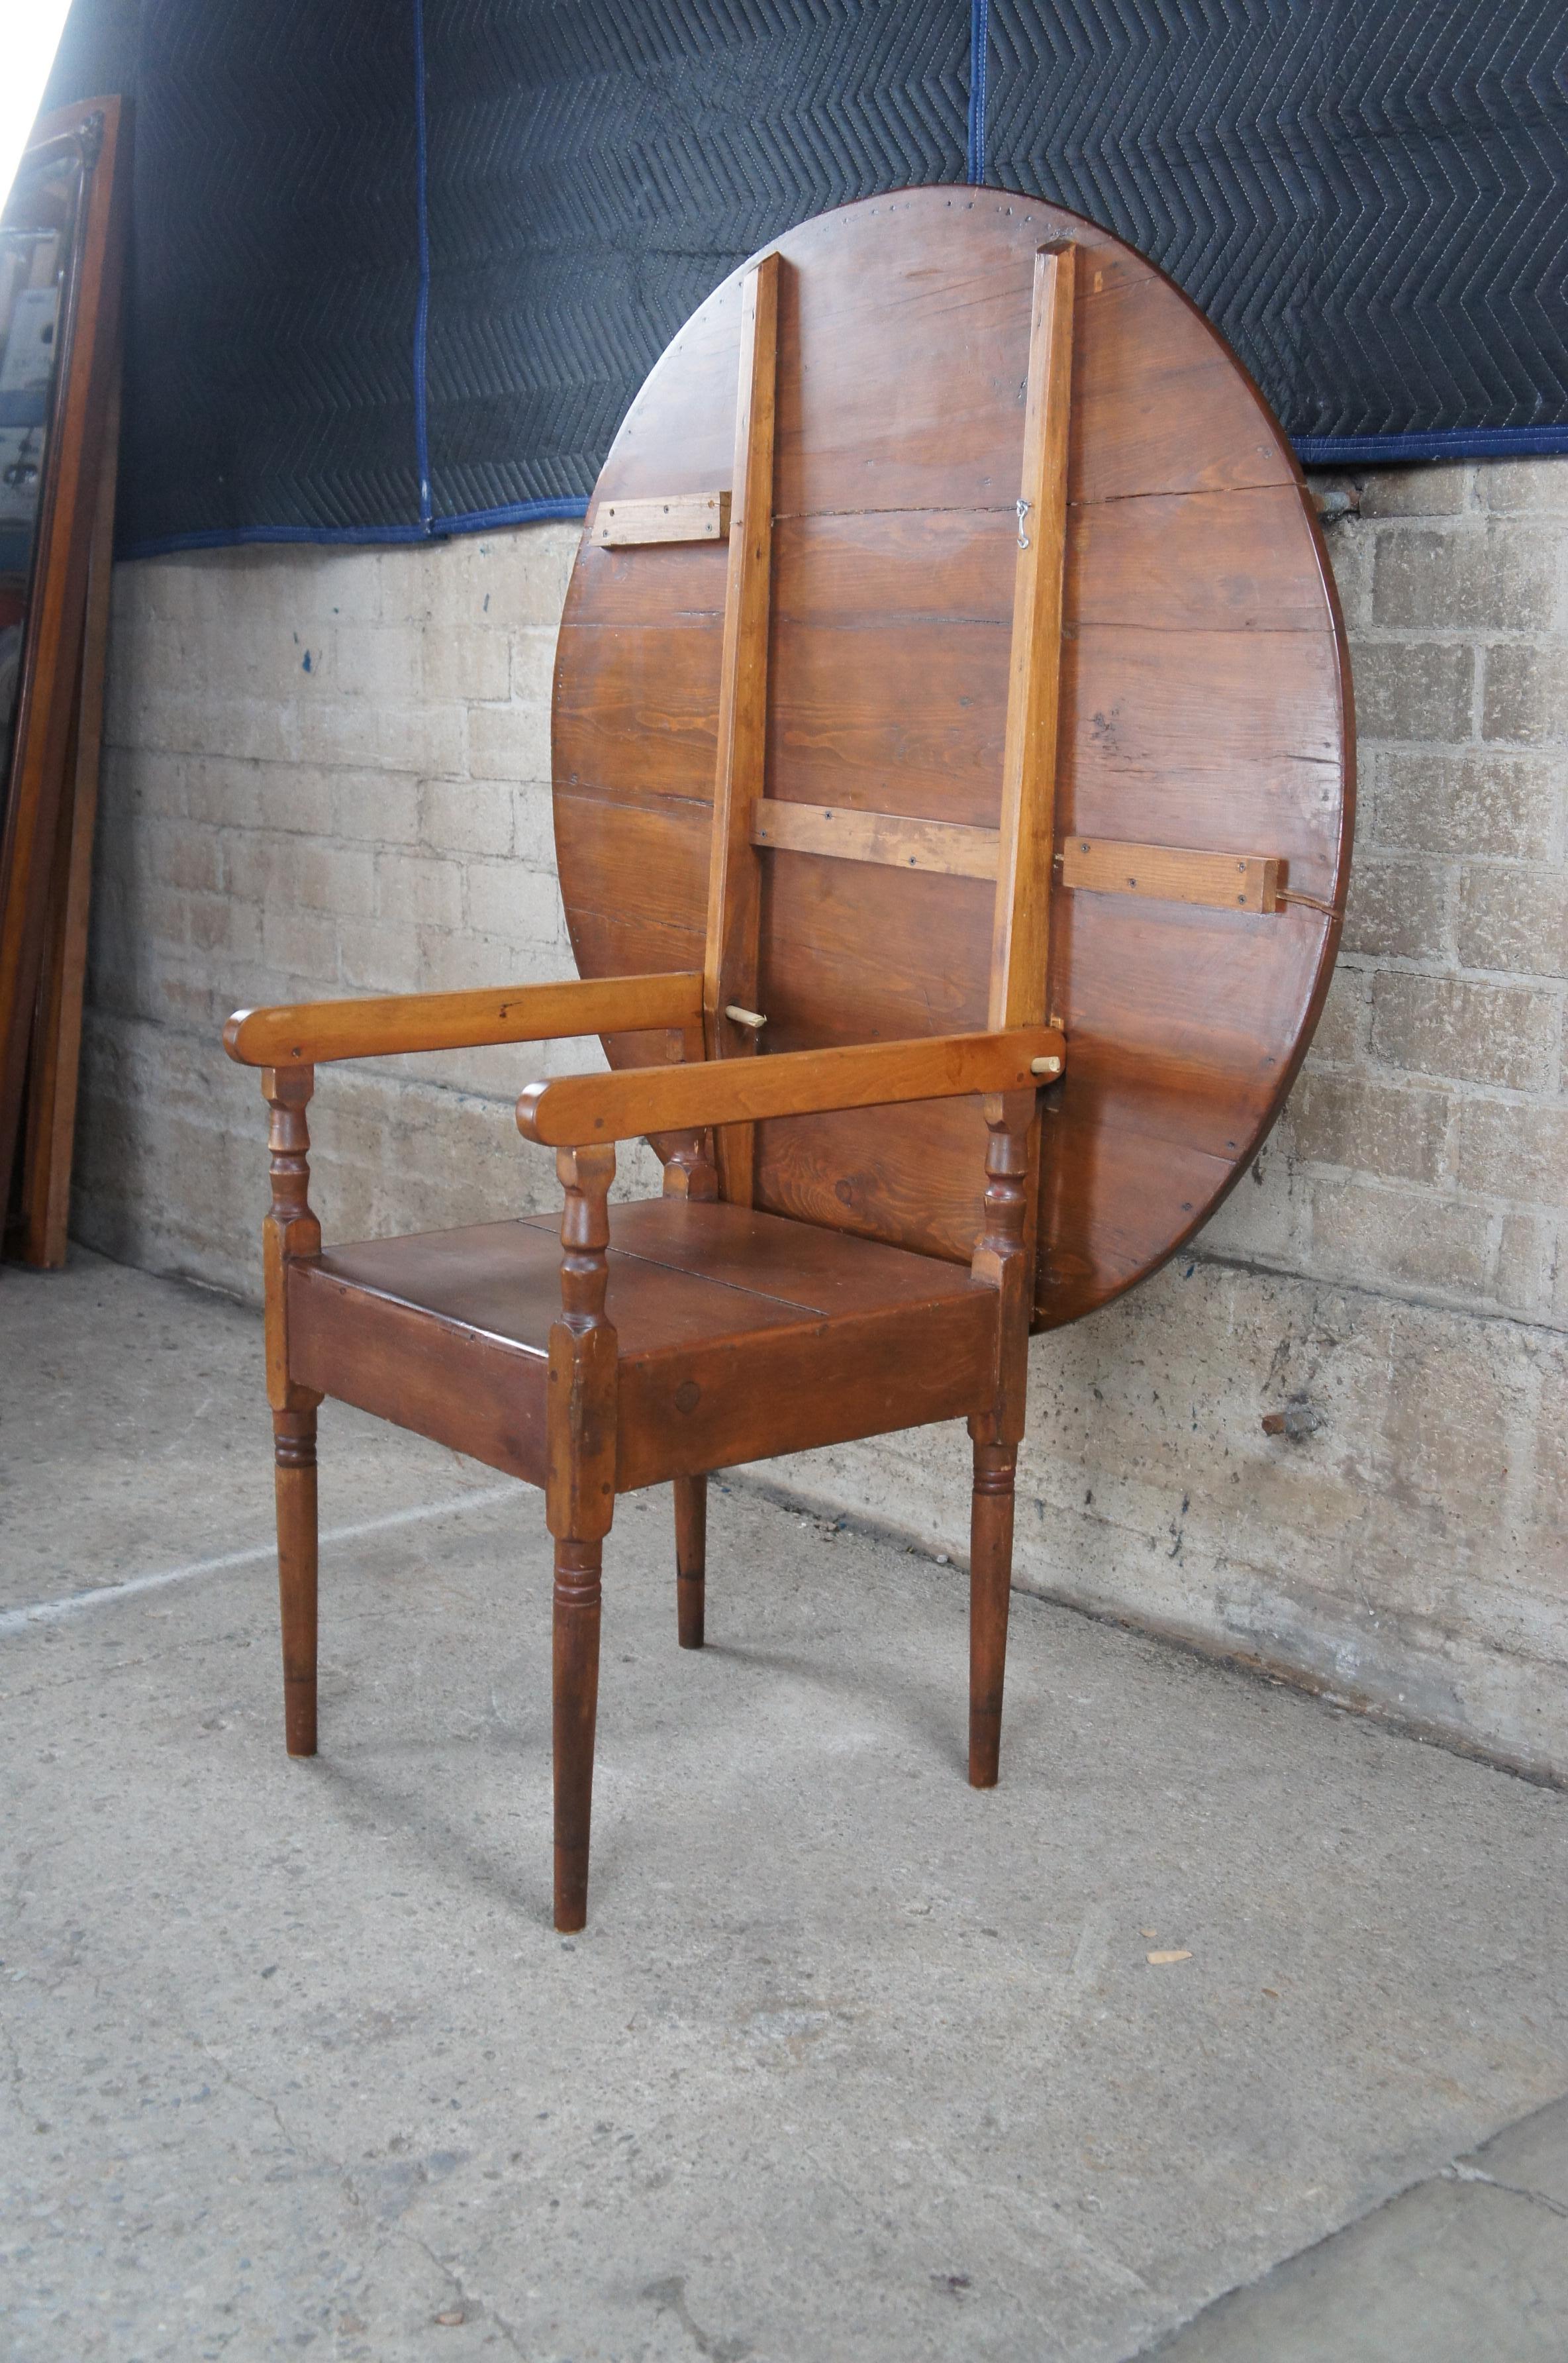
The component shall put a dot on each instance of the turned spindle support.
(1001, 1257)
(690, 1172)
(291, 1232)
(579, 1502)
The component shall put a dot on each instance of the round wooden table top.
(1206, 705)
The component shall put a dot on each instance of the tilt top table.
(952, 755)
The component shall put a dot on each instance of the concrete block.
(276, 663)
(230, 794)
(533, 659)
(515, 578)
(258, 868)
(1263, 1218)
(1395, 1132)
(1342, 1028)
(419, 887)
(1506, 1150)
(1425, 491)
(381, 661)
(1351, 547)
(1474, 576)
(343, 585)
(534, 828)
(516, 904)
(1361, 1231)
(209, 922)
(1474, 1033)
(1417, 690)
(340, 879)
(300, 946)
(1537, 487)
(465, 817)
(258, 727)
(1514, 918)
(1398, 909)
(373, 808)
(378, 955)
(466, 663)
(153, 783)
(1526, 1252)
(185, 853)
(364, 734)
(1551, 1439)
(509, 742)
(1525, 702)
(1464, 803)
(1460, 1402)
(473, 962)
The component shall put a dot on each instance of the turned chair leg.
(990, 1582)
(575, 1678)
(293, 1447)
(691, 1558)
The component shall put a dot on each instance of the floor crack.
(1458, 2174)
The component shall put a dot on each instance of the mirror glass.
(35, 245)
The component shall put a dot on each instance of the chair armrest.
(313, 1032)
(574, 1110)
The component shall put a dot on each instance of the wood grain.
(1203, 704)
(314, 1032)
(1171, 874)
(896, 842)
(691, 1561)
(910, 719)
(46, 718)
(683, 516)
(574, 1109)
(734, 886)
(57, 1037)
(1021, 933)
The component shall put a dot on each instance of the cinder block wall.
(329, 774)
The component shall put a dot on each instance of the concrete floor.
(852, 2062)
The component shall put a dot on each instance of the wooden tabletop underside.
(1205, 708)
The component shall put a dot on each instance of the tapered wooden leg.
(990, 1581)
(293, 1447)
(578, 1565)
(691, 1558)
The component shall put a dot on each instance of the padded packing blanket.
(400, 265)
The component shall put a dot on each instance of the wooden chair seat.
(738, 1332)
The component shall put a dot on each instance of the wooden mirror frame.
(82, 414)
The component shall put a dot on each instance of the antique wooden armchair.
(812, 1273)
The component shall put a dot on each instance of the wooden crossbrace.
(677, 516)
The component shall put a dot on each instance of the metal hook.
(1023, 513)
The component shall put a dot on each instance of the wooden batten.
(1021, 940)
(1021, 927)
(890, 839)
(682, 516)
(1172, 873)
(734, 899)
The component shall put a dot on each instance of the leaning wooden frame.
(46, 824)
(617, 1368)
